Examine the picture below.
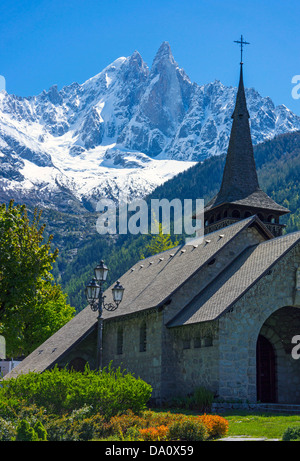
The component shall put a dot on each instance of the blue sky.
(46, 42)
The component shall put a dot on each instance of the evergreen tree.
(159, 242)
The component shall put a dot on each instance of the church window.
(212, 219)
(197, 343)
(236, 214)
(218, 216)
(120, 341)
(211, 262)
(225, 214)
(207, 342)
(186, 344)
(143, 337)
(247, 214)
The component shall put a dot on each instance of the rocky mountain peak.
(163, 58)
(128, 127)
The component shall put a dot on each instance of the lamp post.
(95, 297)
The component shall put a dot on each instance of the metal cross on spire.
(241, 42)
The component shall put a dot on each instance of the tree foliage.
(32, 307)
(159, 242)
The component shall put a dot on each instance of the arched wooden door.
(265, 371)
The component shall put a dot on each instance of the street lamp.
(95, 298)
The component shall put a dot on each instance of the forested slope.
(278, 166)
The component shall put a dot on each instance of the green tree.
(32, 307)
(159, 242)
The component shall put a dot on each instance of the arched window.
(212, 219)
(143, 337)
(218, 216)
(271, 218)
(225, 214)
(207, 342)
(120, 336)
(247, 214)
(236, 214)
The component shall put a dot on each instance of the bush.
(187, 429)
(40, 431)
(107, 392)
(121, 423)
(291, 433)
(7, 430)
(216, 425)
(200, 400)
(25, 432)
(67, 428)
(154, 433)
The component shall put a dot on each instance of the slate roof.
(148, 284)
(235, 281)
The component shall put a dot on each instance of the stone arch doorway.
(266, 371)
(277, 372)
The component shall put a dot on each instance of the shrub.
(162, 418)
(67, 428)
(154, 433)
(107, 392)
(291, 433)
(25, 432)
(187, 429)
(216, 425)
(121, 423)
(40, 431)
(60, 430)
(202, 399)
(7, 430)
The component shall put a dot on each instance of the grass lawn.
(269, 425)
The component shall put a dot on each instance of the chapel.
(220, 314)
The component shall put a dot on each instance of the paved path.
(244, 438)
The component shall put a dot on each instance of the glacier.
(128, 129)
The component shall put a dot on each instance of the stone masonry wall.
(239, 330)
(145, 364)
(190, 359)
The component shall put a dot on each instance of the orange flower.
(154, 433)
(216, 425)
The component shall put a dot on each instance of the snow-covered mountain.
(129, 129)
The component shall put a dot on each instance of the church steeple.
(240, 195)
(239, 177)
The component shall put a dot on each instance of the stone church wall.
(190, 359)
(252, 315)
(141, 347)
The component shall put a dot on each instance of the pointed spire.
(240, 194)
(239, 177)
(240, 104)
